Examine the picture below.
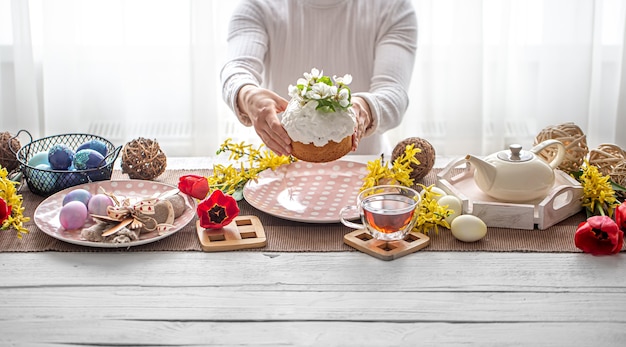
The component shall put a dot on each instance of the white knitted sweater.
(272, 42)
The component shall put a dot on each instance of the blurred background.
(488, 73)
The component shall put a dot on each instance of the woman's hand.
(363, 120)
(262, 106)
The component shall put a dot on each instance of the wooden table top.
(311, 299)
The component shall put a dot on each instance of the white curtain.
(493, 72)
(488, 72)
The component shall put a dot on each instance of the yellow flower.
(379, 172)
(598, 194)
(231, 180)
(430, 215)
(9, 194)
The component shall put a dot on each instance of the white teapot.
(516, 175)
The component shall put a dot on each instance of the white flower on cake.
(315, 87)
(319, 117)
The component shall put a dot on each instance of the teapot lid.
(515, 154)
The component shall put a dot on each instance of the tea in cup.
(388, 212)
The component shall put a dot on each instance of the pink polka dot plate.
(46, 215)
(307, 192)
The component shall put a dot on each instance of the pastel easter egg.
(96, 145)
(73, 215)
(60, 157)
(98, 204)
(99, 175)
(88, 159)
(42, 179)
(454, 204)
(81, 195)
(437, 193)
(70, 179)
(468, 228)
(43, 166)
(38, 159)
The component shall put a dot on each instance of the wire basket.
(47, 182)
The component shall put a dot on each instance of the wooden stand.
(561, 202)
(243, 232)
(386, 250)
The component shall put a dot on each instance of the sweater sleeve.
(393, 66)
(247, 46)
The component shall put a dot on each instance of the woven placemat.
(290, 236)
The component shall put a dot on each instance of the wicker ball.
(426, 157)
(606, 157)
(618, 175)
(575, 143)
(8, 160)
(143, 159)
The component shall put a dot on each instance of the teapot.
(516, 175)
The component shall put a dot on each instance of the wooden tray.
(243, 232)
(561, 202)
(386, 250)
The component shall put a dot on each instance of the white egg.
(438, 193)
(455, 204)
(468, 228)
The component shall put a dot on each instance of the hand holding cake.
(261, 106)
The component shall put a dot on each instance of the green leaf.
(238, 194)
(326, 80)
(616, 187)
(576, 174)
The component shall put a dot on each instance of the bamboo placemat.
(290, 236)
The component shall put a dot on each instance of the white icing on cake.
(307, 125)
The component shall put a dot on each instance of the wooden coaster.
(243, 232)
(386, 250)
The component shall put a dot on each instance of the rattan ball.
(426, 157)
(618, 176)
(606, 157)
(143, 159)
(8, 160)
(575, 143)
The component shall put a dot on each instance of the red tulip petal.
(217, 211)
(599, 235)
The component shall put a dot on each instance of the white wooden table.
(311, 299)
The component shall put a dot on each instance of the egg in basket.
(57, 162)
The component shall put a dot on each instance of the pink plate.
(47, 213)
(307, 192)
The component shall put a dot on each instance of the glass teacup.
(388, 212)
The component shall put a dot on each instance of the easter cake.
(319, 117)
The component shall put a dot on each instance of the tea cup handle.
(347, 222)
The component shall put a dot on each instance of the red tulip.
(5, 211)
(194, 185)
(620, 216)
(599, 235)
(217, 211)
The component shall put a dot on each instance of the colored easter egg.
(96, 145)
(73, 215)
(70, 179)
(81, 195)
(88, 159)
(98, 204)
(42, 179)
(99, 175)
(39, 158)
(60, 157)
